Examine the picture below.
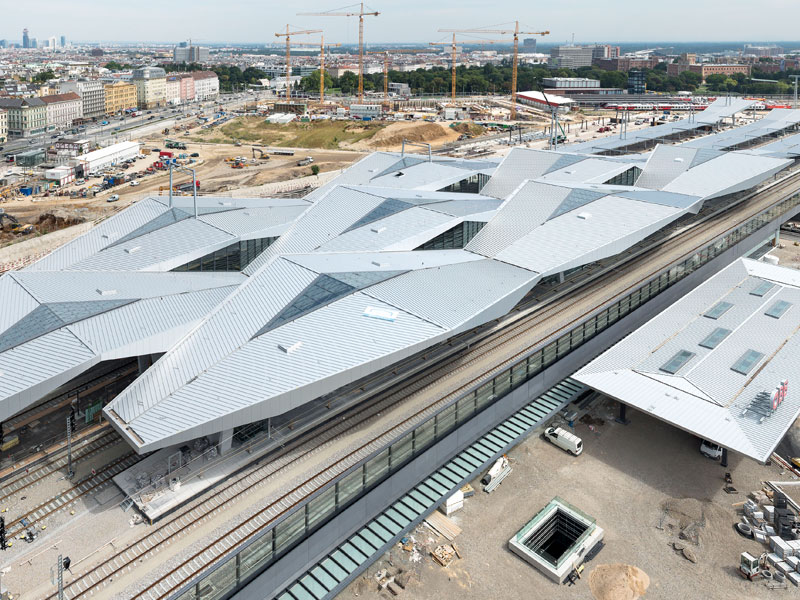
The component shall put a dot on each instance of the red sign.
(779, 394)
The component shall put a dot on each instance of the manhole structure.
(557, 539)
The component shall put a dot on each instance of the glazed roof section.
(774, 123)
(712, 372)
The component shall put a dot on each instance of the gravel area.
(643, 483)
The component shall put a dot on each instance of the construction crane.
(360, 14)
(322, 47)
(386, 54)
(288, 35)
(516, 33)
(454, 50)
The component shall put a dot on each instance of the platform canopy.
(721, 363)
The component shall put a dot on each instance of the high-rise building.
(637, 82)
(571, 57)
(52, 43)
(26, 41)
(3, 44)
(529, 45)
(63, 41)
(189, 54)
(34, 43)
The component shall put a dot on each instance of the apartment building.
(3, 126)
(151, 87)
(119, 96)
(206, 85)
(62, 110)
(26, 116)
(92, 93)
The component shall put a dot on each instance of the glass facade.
(471, 185)
(231, 258)
(628, 177)
(455, 238)
(283, 533)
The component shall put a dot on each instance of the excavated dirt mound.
(618, 582)
(395, 133)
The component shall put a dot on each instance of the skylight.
(777, 310)
(675, 363)
(762, 288)
(719, 309)
(747, 361)
(715, 337)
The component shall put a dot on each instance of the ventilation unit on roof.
(377, 229)
(380, 264)
(383, 314)
(226, 203)
(109, 235)
(399, 174)
(103, 292)
(289, 349)
(133, 250)
(584, 215)
(679, 159)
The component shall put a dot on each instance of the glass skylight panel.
(675, 363)
(777, 310)
(719, 309)
(747, 361)
(762, 288)
(715, 337)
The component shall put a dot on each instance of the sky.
(412, 21)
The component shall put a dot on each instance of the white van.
(564, 440)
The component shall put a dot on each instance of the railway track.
(80, 453)
(80, 489)
(533, 326)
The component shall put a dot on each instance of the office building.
(92, 93)
(625, 63)
(529, 45)
(637, 82)
(26, 40)
(63, 41)
(119, 96)
(3, 126)
(762, 51)
(571, 57)
(151, 83)
(189, 54)
(706, 69)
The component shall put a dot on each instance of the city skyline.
(415, 22)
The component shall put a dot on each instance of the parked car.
(113, 198)
(565, 440)
(710, 450)
(134, 183)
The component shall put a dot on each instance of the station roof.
(546, 99)
(773, 123)
(710, 362)
(343, 290)
(718, 110)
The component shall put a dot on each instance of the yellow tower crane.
(360, 14)
(516, 33)
(288, 35)
(454, 53)
(322, 47)
(386, 54)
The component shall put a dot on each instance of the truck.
(306, 161)
(164, 153)
(175, 145)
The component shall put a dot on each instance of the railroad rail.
(81, 452)
(87, 485)
(532, 331)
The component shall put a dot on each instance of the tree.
(315, 169)
(44, 76)
(311, 82)
(348, 82)
(113, 65)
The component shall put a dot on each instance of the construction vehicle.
(306, 161)
(16, 226)
(175, 145)
(750, 567)
(360, 14)
(261, 154)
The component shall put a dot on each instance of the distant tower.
(26, 41)
(63, 41)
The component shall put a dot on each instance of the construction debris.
(443, 555)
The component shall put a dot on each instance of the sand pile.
(394, 134)
(618, 582)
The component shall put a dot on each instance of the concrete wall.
(325, 539)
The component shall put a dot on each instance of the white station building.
(257, 307)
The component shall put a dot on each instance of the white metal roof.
(710, 394)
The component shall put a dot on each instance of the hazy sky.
(402, 20)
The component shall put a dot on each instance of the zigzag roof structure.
(261, 306)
